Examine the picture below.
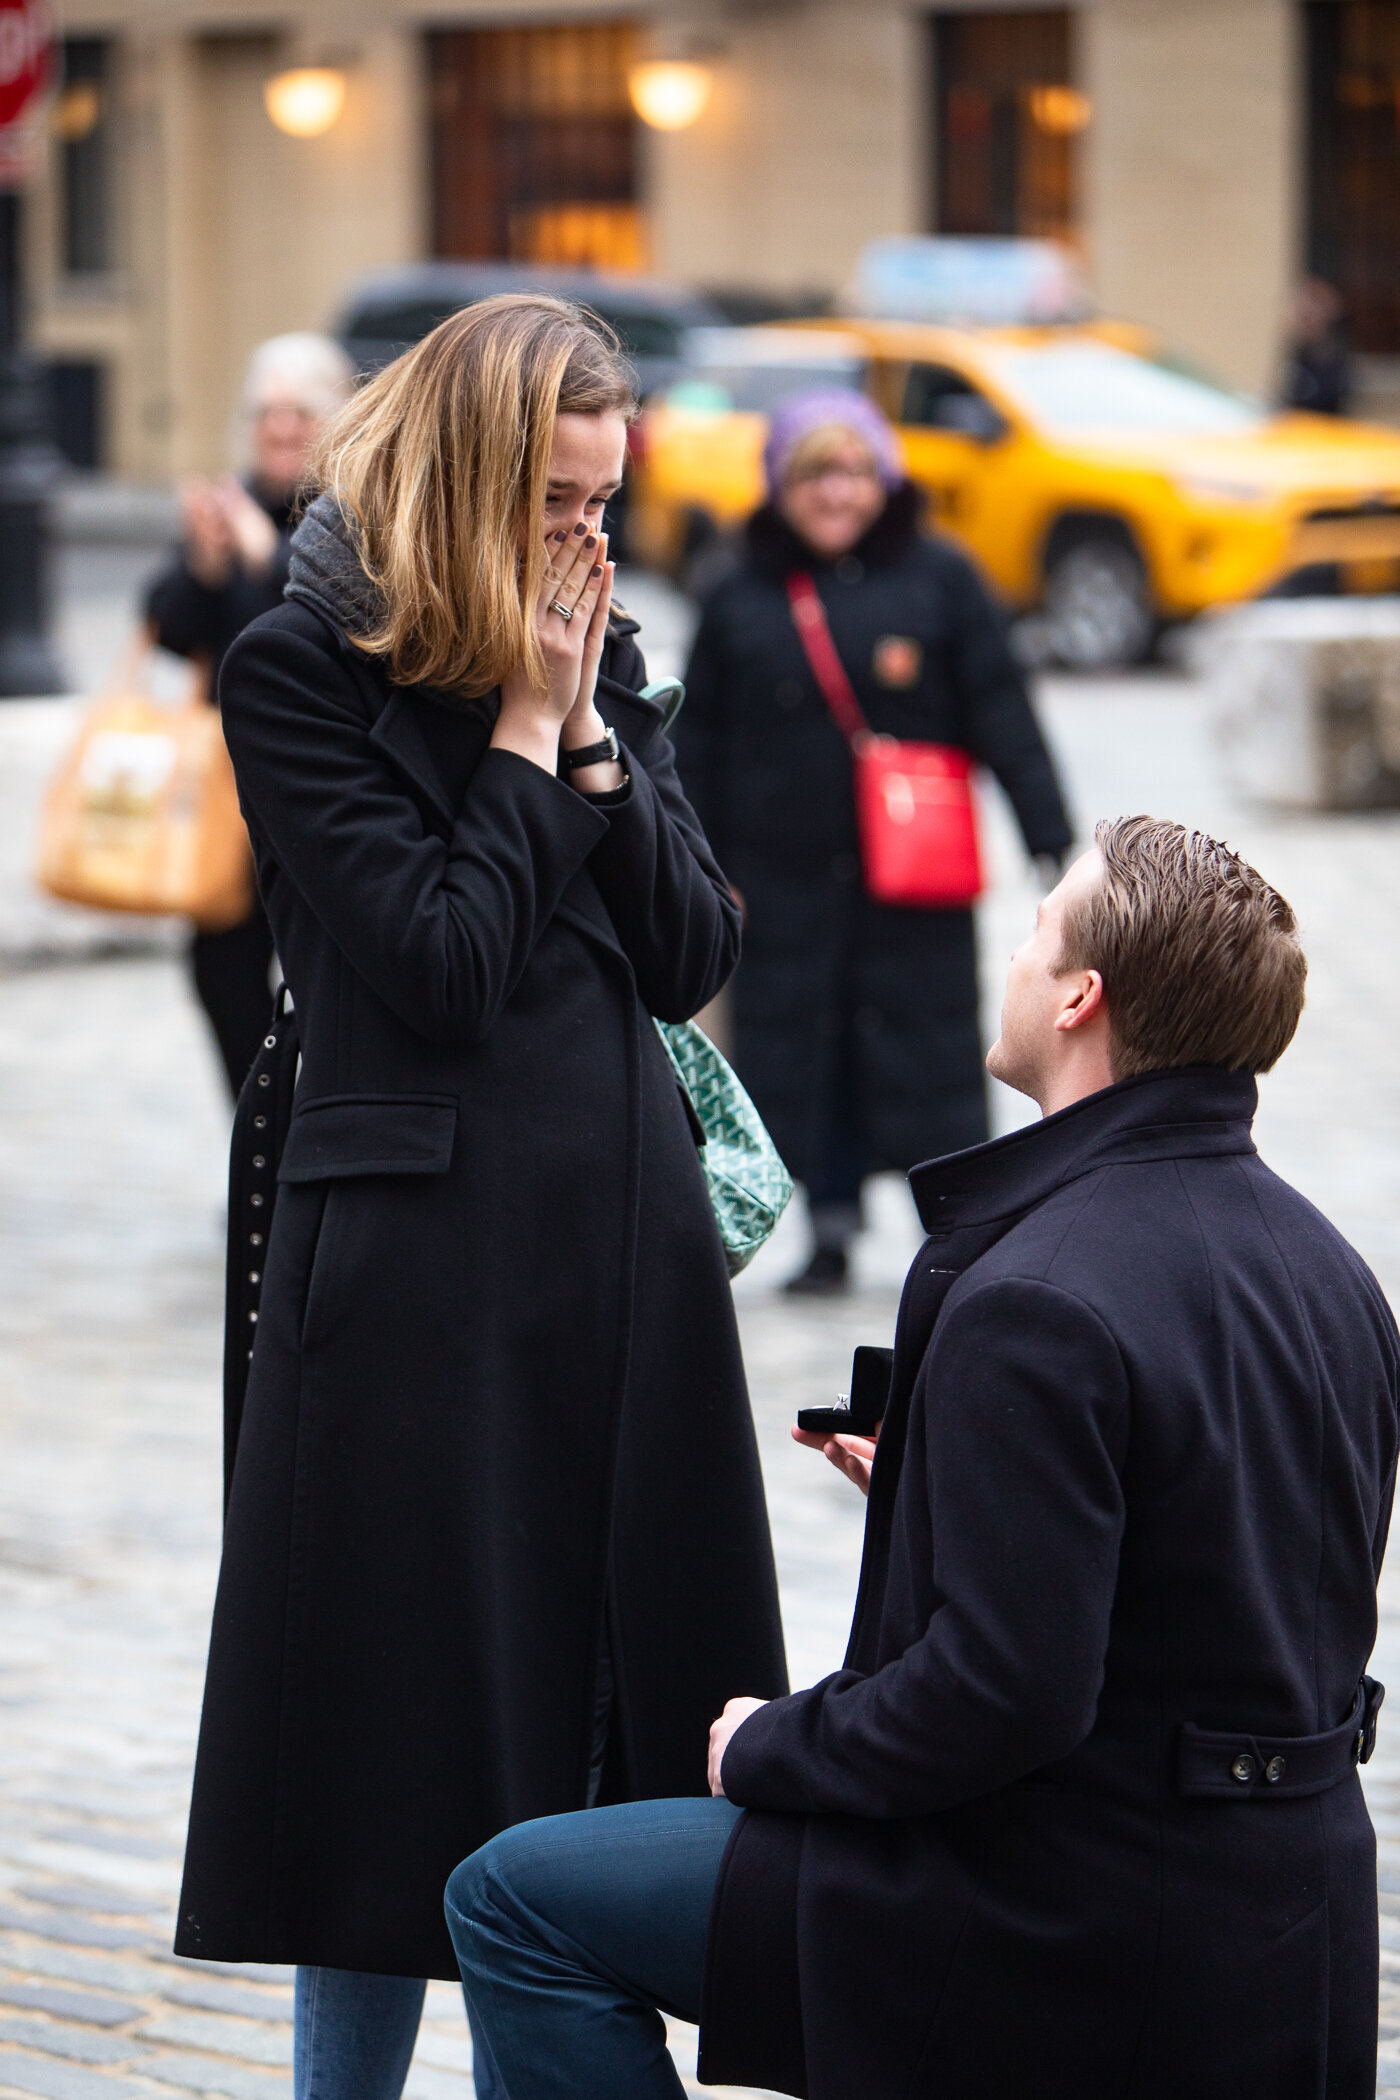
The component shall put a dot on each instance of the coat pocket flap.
(347, 1134)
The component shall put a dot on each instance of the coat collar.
(1193, 1112)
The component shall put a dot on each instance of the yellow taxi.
(1096, 481)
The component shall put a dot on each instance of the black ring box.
(871, 1370)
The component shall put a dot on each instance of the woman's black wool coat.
(1051, 1832)
(496, 1391)
(769, 775)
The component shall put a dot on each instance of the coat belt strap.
(1229, 1765)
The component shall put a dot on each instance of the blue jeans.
(571, 1931)
(354, 2034)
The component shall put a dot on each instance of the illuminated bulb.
(76, 112)
(668, 94)
(306, 100)
(1060, 109)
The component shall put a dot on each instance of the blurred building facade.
(1203, 153)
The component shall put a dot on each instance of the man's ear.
(1084, 1001)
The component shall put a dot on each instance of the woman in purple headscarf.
(856, 1025)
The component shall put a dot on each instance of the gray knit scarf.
(326, 570)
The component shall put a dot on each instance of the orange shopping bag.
(143, 815)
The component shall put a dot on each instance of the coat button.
(255, 1276)
(269, 1042)
(255, 1239)
(1275, 1769)
(257, 1201)
(264, 1079)
(260, 1122)
(253, 1319)
(1244, 1768)
(259, 1159)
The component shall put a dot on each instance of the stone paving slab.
(70, 2005)
(258, 2041)
(56, 2038)
(212, 2074)
(57, 2080)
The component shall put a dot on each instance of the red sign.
(26, 73)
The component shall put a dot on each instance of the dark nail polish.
(590, 541)
(561, 535)
(598, 571)
(580, 529)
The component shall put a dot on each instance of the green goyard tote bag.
(749, 1185)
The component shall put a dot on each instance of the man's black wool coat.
(769, 775)
(496, 1387)
(1136, 1473)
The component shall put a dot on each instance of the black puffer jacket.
(769, 775)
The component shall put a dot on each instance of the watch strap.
(590, 754)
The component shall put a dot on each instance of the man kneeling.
(1080, 1816)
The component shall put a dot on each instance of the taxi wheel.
(1097, 613)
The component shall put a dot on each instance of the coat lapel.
(399, 733)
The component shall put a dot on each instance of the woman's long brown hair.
(441, 463)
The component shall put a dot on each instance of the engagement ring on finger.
(565, 612)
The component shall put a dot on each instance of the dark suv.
(391, 309)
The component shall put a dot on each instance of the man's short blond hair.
(1200, 958)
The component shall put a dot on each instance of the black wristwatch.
(591, 754)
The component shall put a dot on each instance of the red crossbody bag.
(914, 807)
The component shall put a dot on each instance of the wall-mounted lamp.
(76, 111)
(305, 100)
(1061, 109)
(669, 93)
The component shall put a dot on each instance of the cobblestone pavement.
(111, 1171)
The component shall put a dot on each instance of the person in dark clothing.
(1080, 1814)
(1317, 372)
(230, 568)
(855, 1022)
(496, 1541)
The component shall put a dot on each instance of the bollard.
(1305, 700)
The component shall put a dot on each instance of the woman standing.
(232, 566)
(496, 1542)
(856, 1027)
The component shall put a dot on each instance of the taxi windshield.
(1066, 388)
(758, 388)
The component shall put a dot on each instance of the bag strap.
(814, 633)
(125, 672)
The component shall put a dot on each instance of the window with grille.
(534, 145)
(1353, 159)
(82, 125)
(1007, 118)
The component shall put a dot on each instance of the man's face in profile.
(1024, 1053)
